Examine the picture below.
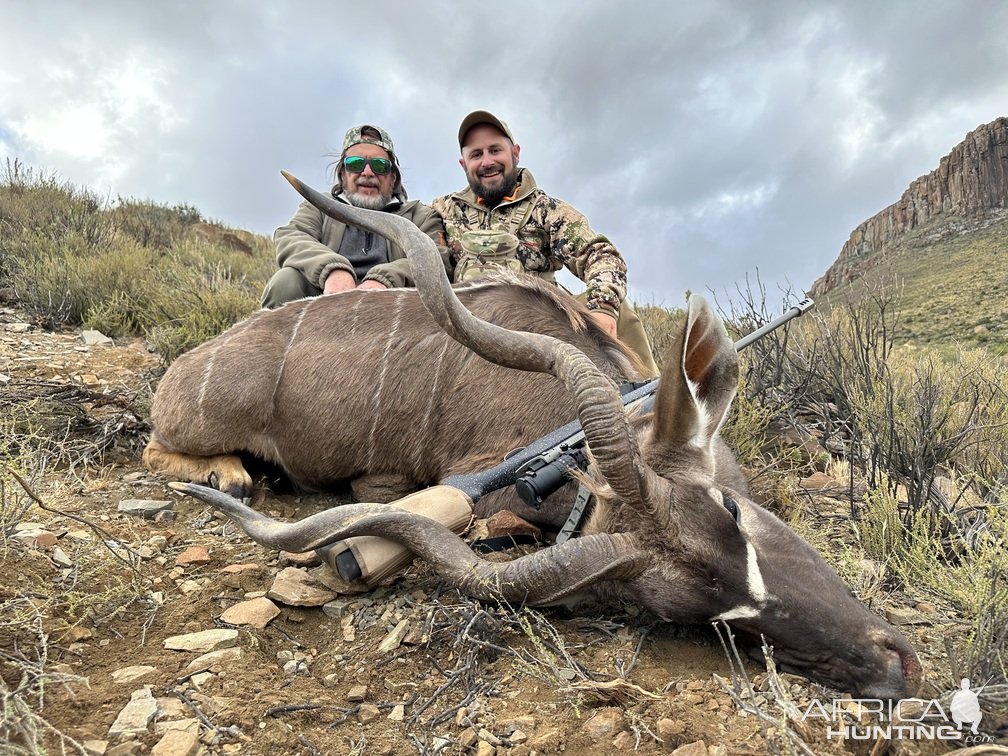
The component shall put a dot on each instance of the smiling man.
(320, 255)
(504, 220)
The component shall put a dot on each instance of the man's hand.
(605, 321)
(337, 281)
(372, 284)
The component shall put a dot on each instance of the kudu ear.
(698, 380)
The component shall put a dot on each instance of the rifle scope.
(544, 476)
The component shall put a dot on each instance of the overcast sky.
(706, 139)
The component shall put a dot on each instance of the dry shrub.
(133, 268)
(154, 226)
(929, 434)
(943, 564)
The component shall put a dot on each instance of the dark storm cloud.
(707, 140)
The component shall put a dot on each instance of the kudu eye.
(727, 502)
(732, 507)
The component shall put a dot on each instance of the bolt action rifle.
(540, 468)
(536, 471)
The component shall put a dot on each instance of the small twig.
(148, 623)
(637, 651)
(226, 597)
(303, 740)
(400, 655)
(278, 711)
(447, 714)
(638, 725)
(190, 675)
(384, 705)
(106, 537)
(294, 641)
(347, 713)
(788, 710)
(452, 679)
(233, 731)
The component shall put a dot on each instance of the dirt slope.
(408, 668)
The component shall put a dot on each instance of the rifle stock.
(373, 558)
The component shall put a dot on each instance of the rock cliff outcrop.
(969, 182)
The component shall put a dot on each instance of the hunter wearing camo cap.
(319, 255)
(504, 220)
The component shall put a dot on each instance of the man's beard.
(368, 201)
(494, 196)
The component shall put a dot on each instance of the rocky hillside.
(970, 183)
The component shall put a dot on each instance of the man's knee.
(286, 285)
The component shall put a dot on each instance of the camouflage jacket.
(309, 243)
(551, 235)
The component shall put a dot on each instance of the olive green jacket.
(309, 243)
(551, 235)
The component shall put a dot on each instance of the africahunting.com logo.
(907, 719)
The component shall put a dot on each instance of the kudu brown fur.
(366, 384)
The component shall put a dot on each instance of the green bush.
(152, 225)
(132, 268)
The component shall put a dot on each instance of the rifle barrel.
(759, 333)
(504, 474)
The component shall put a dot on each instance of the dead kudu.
(366, 385)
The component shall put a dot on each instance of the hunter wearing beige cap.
(504, 220)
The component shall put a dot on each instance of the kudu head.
(673, 532)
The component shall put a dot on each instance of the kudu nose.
(902, 667)
(911, 669)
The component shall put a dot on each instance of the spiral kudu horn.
(538, 579)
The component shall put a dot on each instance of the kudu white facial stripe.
(757, 592)
(755, 585)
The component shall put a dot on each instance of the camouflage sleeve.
(589, 256)
(454, 225)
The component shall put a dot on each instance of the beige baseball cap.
(355, 135)
(482, 116)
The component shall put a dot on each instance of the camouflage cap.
(356, 135)
(482, 116)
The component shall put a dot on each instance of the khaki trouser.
(286, 285)
(630, 331)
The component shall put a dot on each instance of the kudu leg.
(222, 471)
(382, 489)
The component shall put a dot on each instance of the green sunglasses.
(379, 166)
